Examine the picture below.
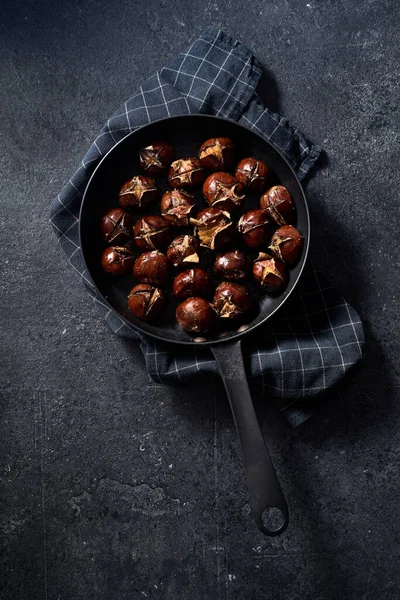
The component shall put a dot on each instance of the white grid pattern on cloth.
(219, 76)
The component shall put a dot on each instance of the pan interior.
(186, 135)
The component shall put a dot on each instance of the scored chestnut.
(186, 173)
(217, 154)
(253, 174)
(193, 282)
(176, 206)
(232, 300)
(117, 260)
(146, 301)
(151, 232)
(138, 192)
(116, 227)
(279, 205)
(152, 267)
(183, 251)
(156, 157)
(222, 190)
(214, 227)
(196, 315)
(270, 273)
(234, 265)
(287, 244)
(255, 228)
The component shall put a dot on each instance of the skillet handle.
(265, 491)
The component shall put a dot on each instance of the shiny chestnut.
(186, 173)
(222, 190)
(116, 227)
(152, 267)
(138, 192)
(217, 154)
(270, 273)
(253, 174)
(184, 251)
(156, 157)
(193, 282)
(151, 232)
(232, 301)
(214, 227)
(287, 244)
(117, 260)
(176, 206)
(196, 315)
(146, 302)
(233, 265)
(279, 205)
(255, 228)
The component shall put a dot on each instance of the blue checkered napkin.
(322, 336)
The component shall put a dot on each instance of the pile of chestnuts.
(201, 257)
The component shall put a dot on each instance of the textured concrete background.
(114, 488)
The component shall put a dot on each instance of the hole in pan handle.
(265, 493)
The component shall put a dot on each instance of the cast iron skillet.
(186, 134)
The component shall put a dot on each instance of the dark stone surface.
(113, 487)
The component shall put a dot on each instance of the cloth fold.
(318, 336)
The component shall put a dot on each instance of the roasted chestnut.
(232, 301)
(116, 227)
(222, 190)
(270, 273)
(184, 251)
(253, 174)
(117, 260)
(156, 157)
(196, 314)
(186, 173)
(138, 192)
(234, 265)
(147, 302)
(193, 282)
(217, 154)
(287, 244)
(255, 228)
(214, 228)
(279, 205)
(152, 267)
(151, 232)
(176, 206)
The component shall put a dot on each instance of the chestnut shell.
(214, 228)
(233, 265)
(222, 191)
(279, 205)
(156, 157)
(176, 206)
(116, 227)
(151, 232)
(196, 315)
(153, 268)
(270, 273)
(138, 192)
(232, 300)
(117, 260)
(217, 154)
(287, 244)
(255, 228)
(186, 173)
(146, 302)
(253, 174)
(193, 282)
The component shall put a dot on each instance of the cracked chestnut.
(217, 154)
(287, 244)
(270, 273)
(184, 251)
(222, 190)
(186, 173)
(117, 260)
(279, 205)
(146, 302)
(156, 157)
(193, 282)
(255, 228)
(138, 192)
(152, 267)
(233, 265)
(116, 227)
(253, 174)
(176, 206)
(232, 301)
(214, 227)
(196, 315)
(151, 232)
